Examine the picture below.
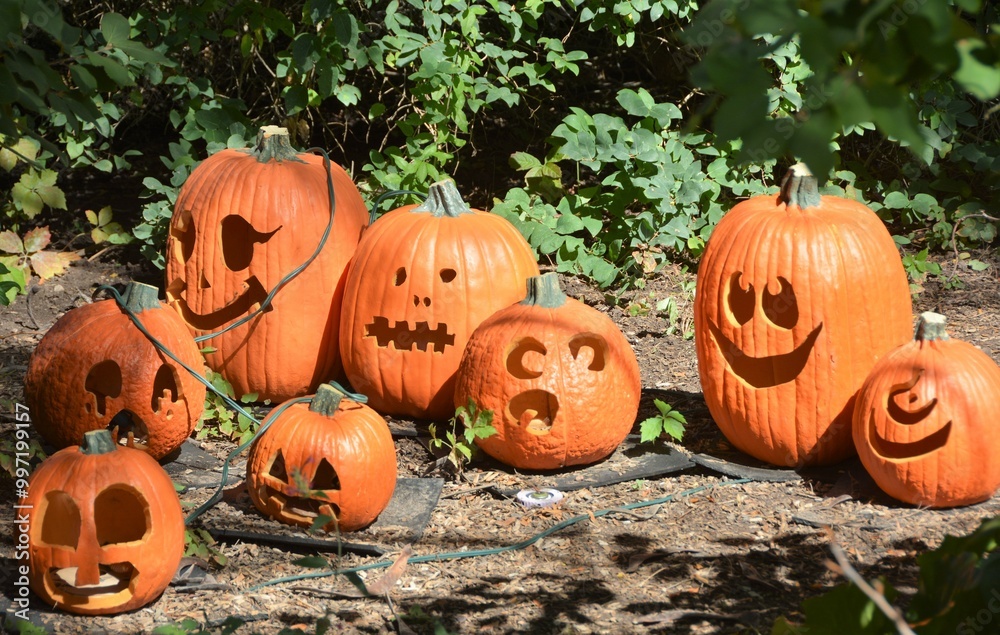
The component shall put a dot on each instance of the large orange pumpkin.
(423, 279)
(95, 369)
(926, 419)
(561, 379)
(798, 295)
(340, 450)
(243, 221)
(106, 533)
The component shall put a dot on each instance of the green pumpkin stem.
(443, 199)
(97, 442)
(327, 400)
(273, 143)
(544, 291)
(930, 327)
(799, 187)
(138, 297)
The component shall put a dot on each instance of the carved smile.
(115, 578)
(403, 337)
(253, 294)
(765, 372)
(910, 449)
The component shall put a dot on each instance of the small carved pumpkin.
(423, 279)
(106, 532)
(561, 379)
(925, 422)
(242, 222)
(95, 369)
(797, 297)
(339, 451)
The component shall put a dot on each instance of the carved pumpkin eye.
(60, 520)
(524, 360)
(591, 348)
(781, 308)
(121, 515)
(447, 275)
(400, 276)
(104, 381)
(740, 301)
(238, 240)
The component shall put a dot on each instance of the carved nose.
(417, 301)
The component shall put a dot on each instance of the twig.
(27, 302)
(883, 605)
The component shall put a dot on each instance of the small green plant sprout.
(105, 229)
(198, 543)
(917, 268)
(11, 283)
(228, 424)
(476, 424)
(29, 255)
(669, 422)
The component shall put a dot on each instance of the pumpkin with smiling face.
(105, 531)
(243, 221)
(798, 295)
(560, 377)
(925, 422)
(424, 277)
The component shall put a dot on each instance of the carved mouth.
(115, 578)
(911, 449)
(534, 410)
(128, 429)
(253, 294)
(403, 337)
(765, 372)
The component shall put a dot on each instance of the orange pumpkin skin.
(244, 220)
(561, 379)
(797, 297)
(925, 422)
(102, 514)
(423, 279)
(339, 447)
(95, 364)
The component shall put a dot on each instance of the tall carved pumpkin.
(105, 528)
(423, 279)
(926, 421)
(95, 369)
(561, 379)
(243, 221)
(798, 295)
(340, 450)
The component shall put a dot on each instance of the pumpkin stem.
(799, 187)
(327, 400)
(443, 199)
(544, 291)
(97, 442)
(273, 143)
(137, 297)
(930, 327)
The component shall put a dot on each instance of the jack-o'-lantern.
(95, 369)
(243, 221)
(334, 458)
(561, 379)
(423, 279)
(105, 528)
(925, 422)
(798, 295)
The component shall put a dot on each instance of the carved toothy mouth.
(534, 410)
(253, 294)
(115, 578)
(128, 429)
(403, 337)
(768, 371)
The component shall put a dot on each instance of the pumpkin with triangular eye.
(797, 297)
(424, 277)
(560, 377)
(243, 221)
(106, 534)
(95, 369)
(333, 458)
(926, 419)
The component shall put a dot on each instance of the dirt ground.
(724, 558)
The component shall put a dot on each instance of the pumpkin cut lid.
(443, 200)
(799, 188)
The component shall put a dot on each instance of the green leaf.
(650, 429)
(895, 200)
(978, 69)
(115, 28)
(312, 562)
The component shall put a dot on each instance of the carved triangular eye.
(781, 308)
(326, 477)
(60, 520)
(277, 468)
(741, 301)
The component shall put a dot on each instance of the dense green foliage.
(613, 133)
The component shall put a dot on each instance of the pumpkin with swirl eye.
(926, 417)
(798, 295)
